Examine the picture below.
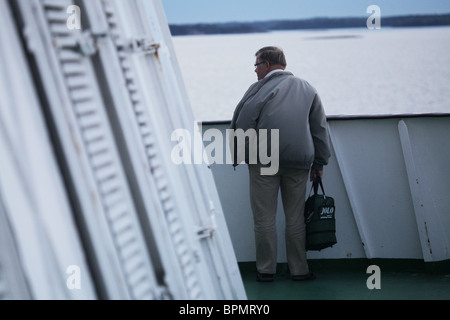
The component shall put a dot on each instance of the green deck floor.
(349, 285)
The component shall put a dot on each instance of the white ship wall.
(389, 176)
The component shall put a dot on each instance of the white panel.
(371, 163)
(146, 166)
(150, 106)
(89, 148)
(37, 218)
(110, 96)
(13, 284)
(167, 109)
(218, 245)
(427, 155)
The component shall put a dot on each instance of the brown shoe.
(308, 276)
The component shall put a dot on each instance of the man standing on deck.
(280, 101)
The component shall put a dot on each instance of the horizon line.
(305, 19)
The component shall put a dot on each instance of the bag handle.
(316, 183)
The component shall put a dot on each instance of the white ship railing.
(390, 177)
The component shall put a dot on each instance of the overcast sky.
(195, 11)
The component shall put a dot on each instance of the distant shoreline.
(306, 24)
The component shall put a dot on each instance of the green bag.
(320, 219)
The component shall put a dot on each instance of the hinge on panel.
(142, 45)
(87, 42)
(205, 232)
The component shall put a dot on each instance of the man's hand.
(314, 174)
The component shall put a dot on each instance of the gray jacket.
(291, 105)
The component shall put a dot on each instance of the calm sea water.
(356, 71)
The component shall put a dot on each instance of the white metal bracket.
(142, 45)
(205, 231)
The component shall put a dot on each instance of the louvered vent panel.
(99, 147)
(185, 260)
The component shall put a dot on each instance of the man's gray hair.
(273, 55)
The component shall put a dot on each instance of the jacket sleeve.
(248, 117)
(240, 122)
(320, 135)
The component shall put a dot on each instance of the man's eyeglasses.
(257, 64)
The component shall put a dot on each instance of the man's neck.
(273, 71)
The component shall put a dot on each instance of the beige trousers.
(263, 196)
